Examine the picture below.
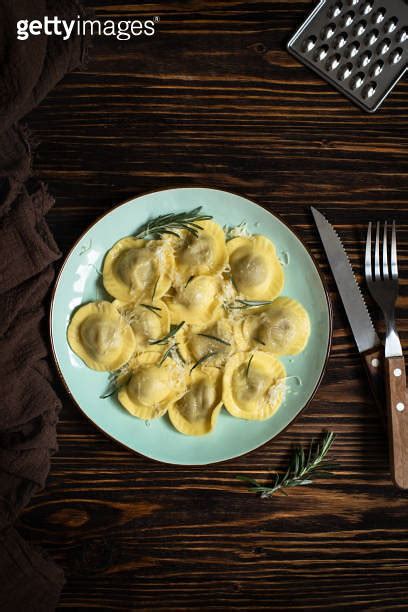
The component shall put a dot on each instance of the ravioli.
(282, 328)
(255, 267)
(253, 385)
(196, 413)
(152, 387)
(197, 303)
(198, 341)
(204, 254)
(101, 337)
(183, 333)
(136, 270)
(148, 321)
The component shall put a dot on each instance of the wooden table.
(215, 100)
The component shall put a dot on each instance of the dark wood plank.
(215, 100)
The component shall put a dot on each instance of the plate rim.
(155, 191)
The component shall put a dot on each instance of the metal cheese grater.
(358, 46)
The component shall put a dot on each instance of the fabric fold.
(29, 407)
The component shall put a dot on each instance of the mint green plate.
(79, 282)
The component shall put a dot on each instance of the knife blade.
(365, 336)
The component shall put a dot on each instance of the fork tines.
(382, 270)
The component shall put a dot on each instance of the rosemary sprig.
(243, 304)
(168, 224)
(303, 468)
(167, 354)
(114, 386)
(248, 366)
(215, 338)
(153, 309)
(180, 356)
(233, 283)
(155, 288)
(204, 359)
(173, 331)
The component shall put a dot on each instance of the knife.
(367, 340)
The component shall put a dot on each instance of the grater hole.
(353, 2)
(348, 19)
(335, 10)
(384, 46)
(352, 49)
(402, 35)
(328, 31)
(340, 40)
(379, 15)
(369, 90)
(367, 7)
(357, 80)
(321, 53)
(345, 71)
(333, 62)
(365, 59)
(377, 68)
(360, 28)
(309, 43)
(391, 25)
(372, 37)
(396, 55)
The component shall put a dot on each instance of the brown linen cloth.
(28, 405)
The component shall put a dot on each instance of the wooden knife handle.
(374, 366)
(397, 404)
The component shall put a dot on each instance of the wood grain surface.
(215, 100)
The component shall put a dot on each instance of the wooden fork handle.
(373, 361)
(397, 405)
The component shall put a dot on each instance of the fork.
(382, 281)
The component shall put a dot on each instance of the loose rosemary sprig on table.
(170, 223)
(303, 468)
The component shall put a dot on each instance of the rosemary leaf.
(203, 360)
(180, 356)
(168, 337)
(303, 468)
(188, 282)
(210, 337)
(244, 304)
(108, 393)
(114, 386)
(249, 365)
(155, 287)
(167, 354)
(152, 309)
